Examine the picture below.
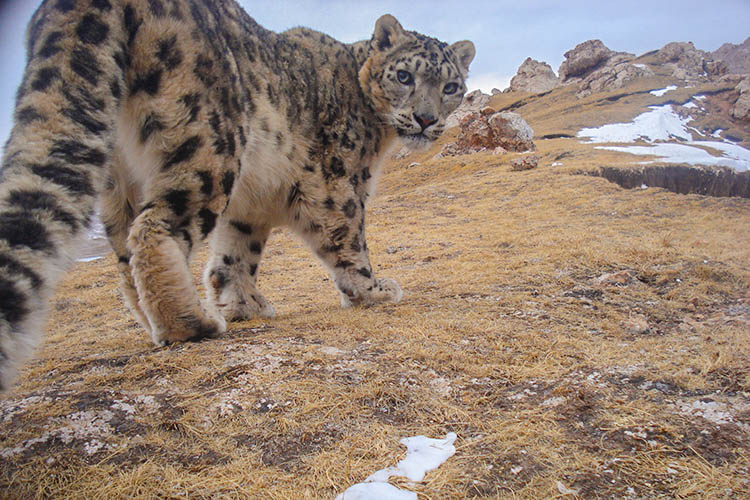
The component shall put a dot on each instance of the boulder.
(493, 131)
(511, 132)
(595, 68)
(535, 77)
(583, 59)
(472, 103)
(687, 62)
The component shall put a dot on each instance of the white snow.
(659, 124)
(732, 151)
(376, 491)
(663, 124)
(690, 105)
(422, 455)
(661, 92)
(717, 133)
(684, 153)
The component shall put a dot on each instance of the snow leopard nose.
(425, 121)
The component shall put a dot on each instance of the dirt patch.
(289, 450)
(502, 475)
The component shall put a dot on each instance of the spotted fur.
(189, 122)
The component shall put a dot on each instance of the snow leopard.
(184, 122)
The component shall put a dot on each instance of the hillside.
(579, 338)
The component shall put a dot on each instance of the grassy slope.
(505, 336)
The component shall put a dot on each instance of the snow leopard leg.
(336, 232)
(161, 241)
(117, 214)
(231, 274)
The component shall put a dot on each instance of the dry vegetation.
(578, 337)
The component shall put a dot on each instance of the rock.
(473, 102)
(496, 91)
(583, 59)
(535, 77)
(618, 71)
(736, 57)
(741, 109)
(596, 68)
(687, 62)
(715, 68)
(511, 131)
(684, 52)
(524, 163)
(488, 130)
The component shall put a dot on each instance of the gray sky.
(505, 32)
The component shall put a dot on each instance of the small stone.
(524, 163)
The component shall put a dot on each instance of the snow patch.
(663, 124)
(684, 153)
(661, 92)
(422, 455)
(659, 124)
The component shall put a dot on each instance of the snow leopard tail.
(56, 159)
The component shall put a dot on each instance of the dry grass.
(510, 334)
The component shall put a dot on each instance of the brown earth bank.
(683, 179)
(581, 339)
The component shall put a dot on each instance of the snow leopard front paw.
(383, 290)
(235, 308)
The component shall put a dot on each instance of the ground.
(580, 339)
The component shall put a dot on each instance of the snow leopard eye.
(450, 88)
(404, 77)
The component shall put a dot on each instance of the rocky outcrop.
(472, 103)
(596, 68)
(741, 109)
(736, 56)
(583, 59)
(618, 71)
(535, 77)
(687, 62)
(493, 131)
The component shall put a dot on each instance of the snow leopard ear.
(464, 52)
(387, 33)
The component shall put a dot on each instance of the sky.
(505, 32)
